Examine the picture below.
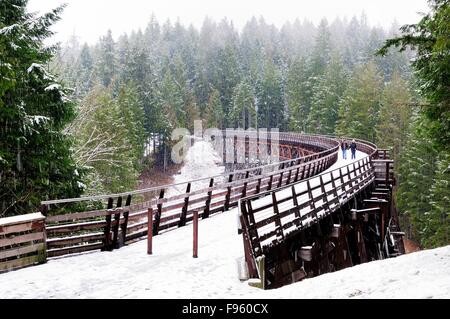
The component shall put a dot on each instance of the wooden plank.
(17, 228)
(20, 239)
(71, 228)
(77, 216)
(22, 250)
(73, 240)
(21, 219)
(19, 263)
(74, 249)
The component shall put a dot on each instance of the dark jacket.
(344, 146)
(353, 147)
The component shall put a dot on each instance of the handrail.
(287, 136)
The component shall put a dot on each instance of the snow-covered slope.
(172, 272)
(201, 161)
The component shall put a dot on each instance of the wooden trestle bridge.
(296, 221)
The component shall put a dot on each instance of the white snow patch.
(37, 119)
(171, 272)
(53, 86)
(33, 66)
(201, 161)
(7, 30)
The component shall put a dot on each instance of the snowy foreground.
(172, 272)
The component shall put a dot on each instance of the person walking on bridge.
(353, 149)
(344, 147)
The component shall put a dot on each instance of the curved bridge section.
(124, 218)
(322, 224)
(108, 222)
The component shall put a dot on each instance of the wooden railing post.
(185, 207)
(258, 186)
(277, 214)
(107, 230)
(289, 177)
(126, 214)
(269, 187)
(208, 200)
(312, 203)
(309, 170)
(387, 172)
(281, 179)
(226, 205)
(158, 215)
(195, 243)
(150, 231)
(244, 189)
(116, 224)
(324, 194)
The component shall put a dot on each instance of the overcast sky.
(89, 19)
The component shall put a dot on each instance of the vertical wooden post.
(43, 255)
(116, 224)
(107, 230)
(150, 231)
(124, 226)
(158, 214)
(387, 173)
(185, 207)
(281, 179)
(252, 271)
(309, 170)
(326, 204)
(297, 173)
(195, 255)
(208, 200)
(44, 209)
(289, 177)
(312, 203)
(277, 214)
(228, 195)
(244, 190)
(270, 183)
(258, 186)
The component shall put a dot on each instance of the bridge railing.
(273, 216)
(122, 221)
(311, 219)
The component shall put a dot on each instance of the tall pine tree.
(35, 158)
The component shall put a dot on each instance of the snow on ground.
(171, 272)
(424, 274)
(201, 161)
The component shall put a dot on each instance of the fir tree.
(415, 176)
(431, 39)
(269, 95)
(243, 113)
(214, 114)
(359, 107)
(395, 113)
(107, 63)
(35, 158)
(326, 97)
(298, 91)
